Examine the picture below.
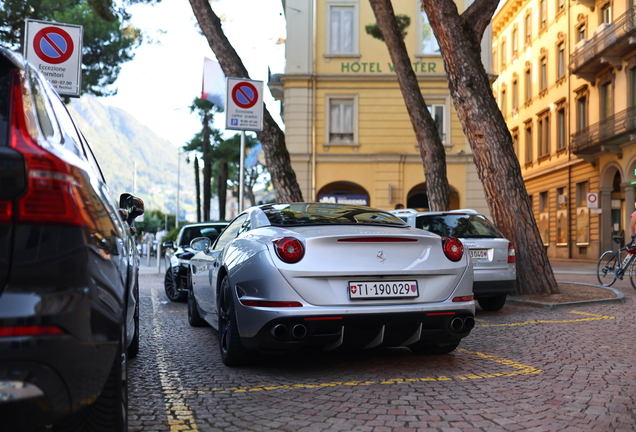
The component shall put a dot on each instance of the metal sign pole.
(242, 172)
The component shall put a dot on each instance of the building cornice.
(506, 14)
(408, 158)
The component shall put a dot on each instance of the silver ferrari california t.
(320, 276)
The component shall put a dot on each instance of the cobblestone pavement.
(521, 368)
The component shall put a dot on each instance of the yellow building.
(566, 74)
(346, 124)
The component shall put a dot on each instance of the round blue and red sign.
(244, 95)
(53, 45)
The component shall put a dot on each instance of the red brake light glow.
(463, 299)
(29, 331)
(453, 248)
(511, 254)
(274, 304)
(290, 249)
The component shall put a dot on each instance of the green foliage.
(107, 43)
(403, 22)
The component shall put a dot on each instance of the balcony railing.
(587, 58)
(609, 131)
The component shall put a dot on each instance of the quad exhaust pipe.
(466, 324)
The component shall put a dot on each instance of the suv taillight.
(511, 254)
(453, 248)
(54, 194)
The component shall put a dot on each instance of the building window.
(543, 14)
(427, 42)
(515, 141)
(343, 28)
(606, 14)
(562, 216)
(515, 94)
(528, 77)
(580, 33)
(607, 100)
(495, 63)
(515, 41)
(528, 141)
(561, 128)
(561, 60)
(342, 120)
(544, 73)
(504, 108)
(582, 214)
(503, 53)
(544, 217)
(560, 6)
(632, 83)
(528, 27)
(543, 133)
(437, 112)
(581, 113)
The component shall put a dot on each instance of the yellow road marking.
(593, 317)
(518, 369)
(180, 416)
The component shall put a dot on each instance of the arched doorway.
(343, 192)
(417, 198)
(613, 218)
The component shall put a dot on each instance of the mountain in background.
(118, 140)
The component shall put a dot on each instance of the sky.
(162, 80)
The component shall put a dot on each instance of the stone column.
(605, 220)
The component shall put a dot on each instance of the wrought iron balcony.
(605, 136)
(607, 46)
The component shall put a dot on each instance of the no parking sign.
(244, 105)
(56, 50)
(592, 200)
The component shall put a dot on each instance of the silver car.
(492, 254)
(319, 276)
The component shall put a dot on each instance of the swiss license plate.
(383, 289)
(478, 253)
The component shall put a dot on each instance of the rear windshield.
(5, 96)
(459, 225)
(190, 233)
(328, 214)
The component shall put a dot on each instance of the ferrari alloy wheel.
(232, 351)
(171, 285)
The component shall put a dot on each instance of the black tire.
(233, 353)
(171, 286)
(434, 349)
(109, 412)
(607, 264)
(492, 304)
(194, 317)
(133, 348)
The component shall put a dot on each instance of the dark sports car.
(178, 257)
(69, 314)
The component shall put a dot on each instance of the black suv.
(69, 301)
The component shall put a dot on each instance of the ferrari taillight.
(290, 249)
(453, 248)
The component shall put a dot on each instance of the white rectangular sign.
(244, 105)
(56, 50)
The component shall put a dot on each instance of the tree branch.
(479, 15)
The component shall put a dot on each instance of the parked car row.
(69, 293)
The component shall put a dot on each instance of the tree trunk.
(430, 143)
(222, 189)
(207, 167)
(272, 137)
(197, 187)
(459, 38)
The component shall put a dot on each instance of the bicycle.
(612, 265)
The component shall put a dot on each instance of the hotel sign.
(377, 67)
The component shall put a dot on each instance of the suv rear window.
(458, 225)
(5, 96)
(328, 214)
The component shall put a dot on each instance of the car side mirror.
(168, 244)
(131, 206)
(200, 244)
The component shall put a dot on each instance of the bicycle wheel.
(607, 264)
(632, 273)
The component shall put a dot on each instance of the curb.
(620, 298)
